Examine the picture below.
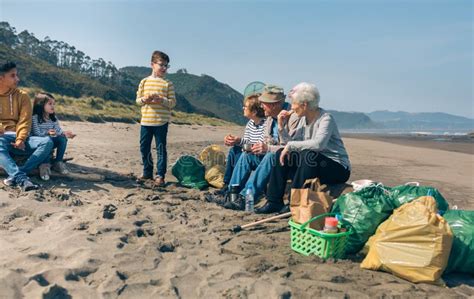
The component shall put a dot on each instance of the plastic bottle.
(249, 207)
(330, 225)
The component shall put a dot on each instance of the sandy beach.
(171, 243)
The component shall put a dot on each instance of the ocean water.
(395, 132)
(441, 136)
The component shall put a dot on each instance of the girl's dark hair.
(38, 106)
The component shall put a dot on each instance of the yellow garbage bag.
(213, 158)
(212, 155)
(413, 243)
(215, 176)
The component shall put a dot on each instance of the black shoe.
(238, 204)
(218, 199)
(28, 185)
(285, 209)
(270, 207)
(223, 191)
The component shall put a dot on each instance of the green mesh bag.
(190, 172)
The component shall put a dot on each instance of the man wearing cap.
(262, 157)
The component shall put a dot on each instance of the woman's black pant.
(300, 166)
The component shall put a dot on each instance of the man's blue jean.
(60, 144)
(232, 157)
(258, 180)
(37, 148)
(146, 136)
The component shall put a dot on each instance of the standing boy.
(156, 97)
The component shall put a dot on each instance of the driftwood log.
(83, 176)
(90, 177)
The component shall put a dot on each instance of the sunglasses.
(165, 66)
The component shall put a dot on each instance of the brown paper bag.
(308, 202)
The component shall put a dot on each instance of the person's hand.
(156, 99)
(228, 139)
(231, 140)
(69, 134)
(283, 116)
(147, 99)
(283, 154)
(19, 144)
(52, 132)
(259, 148)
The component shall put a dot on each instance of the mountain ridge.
(421, 120)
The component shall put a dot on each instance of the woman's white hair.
(305, 93)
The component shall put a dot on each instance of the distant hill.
(421, 121)
(353, 120)
(35, 72)
(206, 93)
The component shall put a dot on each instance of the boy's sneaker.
(45, 171)
(27, 185)
(10, 182)
(144, 177)
(61, 167)
(159, 181)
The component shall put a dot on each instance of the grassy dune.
(93, 109)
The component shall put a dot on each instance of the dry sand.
(170, 243)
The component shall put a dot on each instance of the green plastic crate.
(307, 241)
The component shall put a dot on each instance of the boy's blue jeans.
(232, 157)
(38, 148)
(258, 180)
(60, 144)
(146, 136)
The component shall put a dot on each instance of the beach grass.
(98, 110)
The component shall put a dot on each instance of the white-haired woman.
(316, 149)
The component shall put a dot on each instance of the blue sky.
(414, 56)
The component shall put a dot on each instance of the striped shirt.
(156, 114)
(254, 133)
(41, 129)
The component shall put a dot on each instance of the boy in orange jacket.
(15, 125)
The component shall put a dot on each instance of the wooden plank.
(90, 177)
